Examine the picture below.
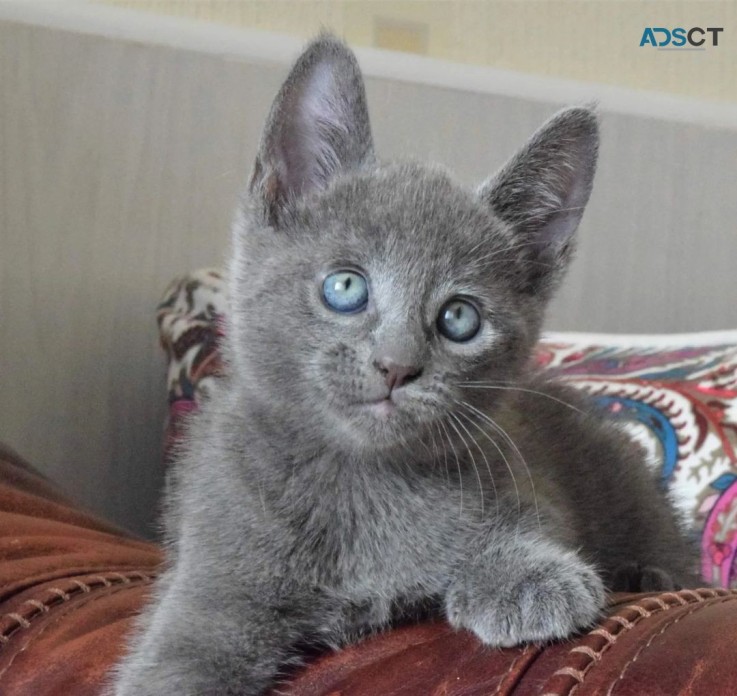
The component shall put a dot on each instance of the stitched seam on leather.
(498, 689)
(586, 650)
(682, 598)
(56, 620)
(65, 572)
(59, 597)
(665, 627)
(699, 601)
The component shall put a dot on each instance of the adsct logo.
(680, 39)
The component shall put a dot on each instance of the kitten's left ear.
(542, 191)
(318, 127)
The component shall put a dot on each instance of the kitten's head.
(364, 295)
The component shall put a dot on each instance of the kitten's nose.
(395, 375)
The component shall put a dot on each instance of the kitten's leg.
(521, 588)
(229, 641)
(633, 577)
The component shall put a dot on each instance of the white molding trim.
(248, 44)
(675, 340)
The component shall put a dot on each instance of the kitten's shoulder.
(568, 419)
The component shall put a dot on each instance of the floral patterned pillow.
(676, 395)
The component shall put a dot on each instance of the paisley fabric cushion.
(189, 318)
(675, 394)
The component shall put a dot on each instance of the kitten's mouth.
(382, 408)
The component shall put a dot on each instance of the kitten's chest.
(393, 539)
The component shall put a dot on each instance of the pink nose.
(396, 375)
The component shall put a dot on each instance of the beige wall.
(593, 40)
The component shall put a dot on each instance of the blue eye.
(459, 320)
(345, 291)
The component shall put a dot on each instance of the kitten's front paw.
(538, 600)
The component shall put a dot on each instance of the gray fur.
(301, 515)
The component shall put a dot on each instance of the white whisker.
(507, 437)
(458, 465)
(486, 461)
(444, 449)
(473, 459)
(504, 458)
(482, 385)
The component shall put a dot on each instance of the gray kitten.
(380, 448)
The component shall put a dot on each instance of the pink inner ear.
(318, 125)
(564, 220)
(313, 123)
(541, 192)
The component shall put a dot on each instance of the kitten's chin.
(376, 426)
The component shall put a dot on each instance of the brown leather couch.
(70, 585)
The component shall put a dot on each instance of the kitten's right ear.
(318, 127)
(542, 192)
